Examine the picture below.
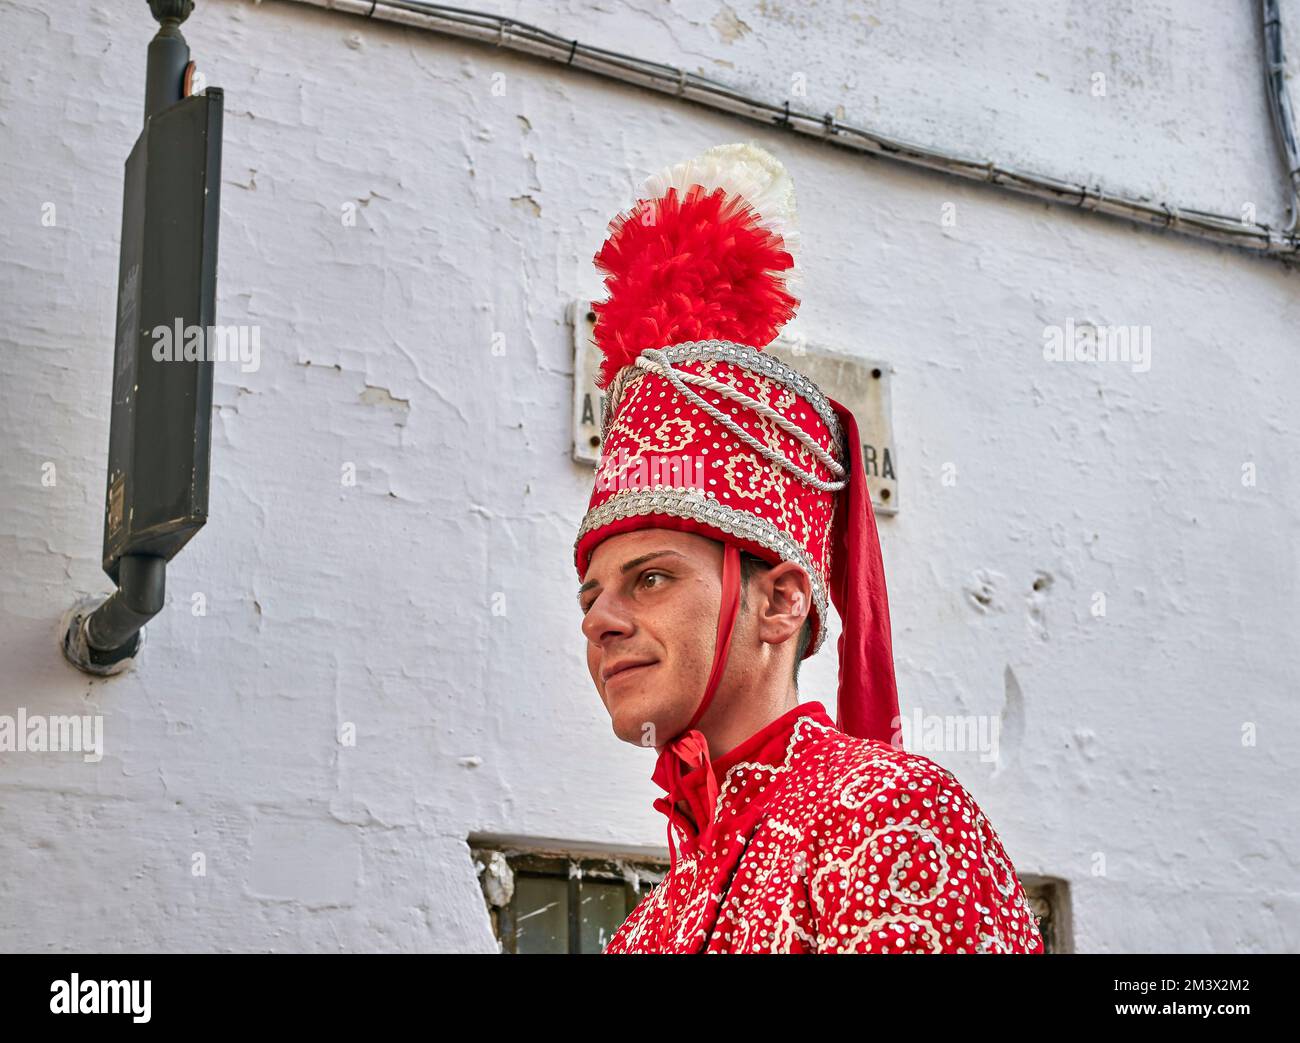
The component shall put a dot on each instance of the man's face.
(650, 608)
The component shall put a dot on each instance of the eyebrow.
(628, 566)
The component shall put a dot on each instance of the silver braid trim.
(761, 362)
(689, 502)
(654, 362)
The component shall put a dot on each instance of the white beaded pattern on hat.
(654, 361)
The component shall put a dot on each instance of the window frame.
(574, 865)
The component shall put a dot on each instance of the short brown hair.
(750, 564)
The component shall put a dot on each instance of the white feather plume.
(742, 169)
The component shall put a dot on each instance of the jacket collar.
(769, 746)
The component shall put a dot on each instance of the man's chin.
(639, 716)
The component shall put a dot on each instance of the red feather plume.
(691, 268)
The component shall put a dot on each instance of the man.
(728, 481)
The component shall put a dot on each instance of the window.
(543, 900)
(1048, 900)
(546, 901)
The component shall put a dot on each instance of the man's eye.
(648, 576)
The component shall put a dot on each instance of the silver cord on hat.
(653, 360)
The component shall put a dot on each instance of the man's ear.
(784, 601)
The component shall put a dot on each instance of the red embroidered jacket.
(826, 843)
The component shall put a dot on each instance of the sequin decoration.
(834, 844)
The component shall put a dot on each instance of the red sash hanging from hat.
(867, 702)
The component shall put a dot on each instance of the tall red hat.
(703, 431)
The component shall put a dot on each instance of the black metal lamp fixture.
(160, 431)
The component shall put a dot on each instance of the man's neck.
(739, 718)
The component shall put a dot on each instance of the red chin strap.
(690, 749)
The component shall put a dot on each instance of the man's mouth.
(627, 669)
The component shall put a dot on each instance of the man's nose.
(606, 618)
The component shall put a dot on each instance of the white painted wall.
(478, 214)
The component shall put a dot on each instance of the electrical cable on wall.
(518, 36)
